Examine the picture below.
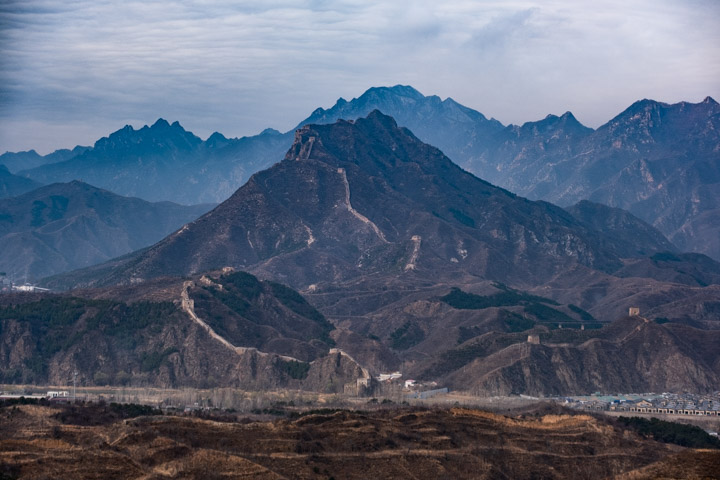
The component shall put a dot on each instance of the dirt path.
(357, 214)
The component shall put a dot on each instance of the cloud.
(238, 67)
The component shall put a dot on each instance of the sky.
(72, 71)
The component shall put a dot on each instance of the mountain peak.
(270, 131)
(646, 104)
(399, 90)
(379, 118)
(162, 123)
(709, 101)
(567, 122)
(161, 136)
(216, 136)
(216, 140)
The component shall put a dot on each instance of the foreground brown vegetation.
(98, 441)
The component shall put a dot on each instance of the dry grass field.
(103, 441)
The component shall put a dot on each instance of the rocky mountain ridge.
(216, 329)
(365, 197)
(165, 162)
(630, 354)
(655, 160)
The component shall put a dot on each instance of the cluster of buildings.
(27, 288)
(392, 385)
(663, 404)
(9, 286)
(52, 395)
(408, 384)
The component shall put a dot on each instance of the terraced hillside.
(99, 442)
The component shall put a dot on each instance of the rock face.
(62, 227)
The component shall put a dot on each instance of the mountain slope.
(219, 329)
(62, 227)
(17, 161)
(660, 162)
(527, 151)
(377, 227)
(11, 185)
(632, 236)
(631, 354)
(356, 444)
(353, 199)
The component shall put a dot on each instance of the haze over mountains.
(11, 185)
(358, 198)
(166, 162)
(15, 161)
(65, 226)
(656, 160)
(659, 161)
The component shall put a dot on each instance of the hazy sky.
(72, 71)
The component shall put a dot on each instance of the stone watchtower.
(534, 339)
(634, 312)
